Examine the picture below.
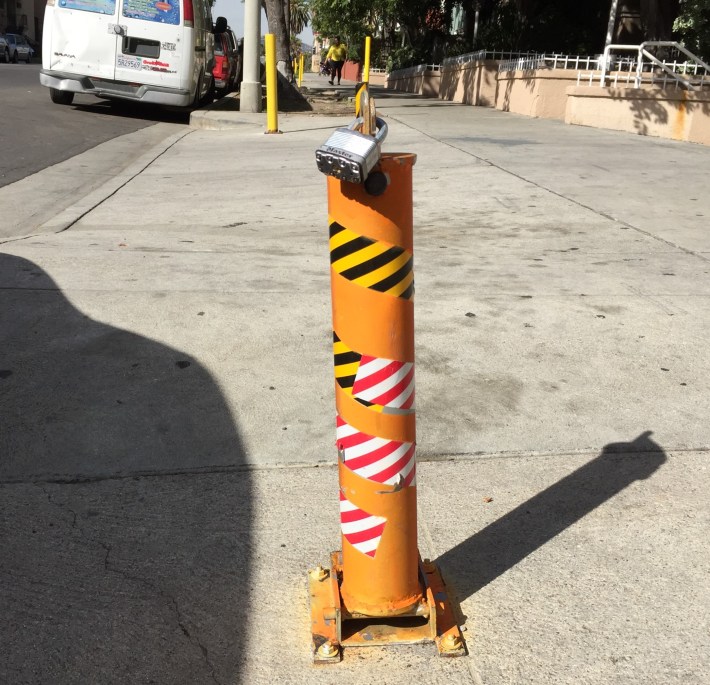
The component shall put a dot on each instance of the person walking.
(336, 58)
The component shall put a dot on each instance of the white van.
(158, 51)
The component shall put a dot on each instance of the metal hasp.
(376, 591)
(333, 628)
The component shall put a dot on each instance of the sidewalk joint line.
(253, 468)
(125, 183)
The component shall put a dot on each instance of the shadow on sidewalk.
(480, 559)
(124, 511)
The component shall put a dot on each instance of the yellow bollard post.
(366, 63)
(300, 69)
(272, 97)
(377, 591)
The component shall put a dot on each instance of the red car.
(226, 63)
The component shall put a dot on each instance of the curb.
(215, 120)
(69, 216)
(224, 114)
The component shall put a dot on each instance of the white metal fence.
(554, 61)
(690, 73)
(678, 67)
(480, 55)
(414, 71)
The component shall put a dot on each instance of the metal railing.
(554, 61)
(414, 71)
(646, 68)
(685, 70)
(481, 55)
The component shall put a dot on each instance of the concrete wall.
(675, 114)
(554, 94)
(351, 71)
(472, 83)
(536, 93)
(378, 79)
(423, 83)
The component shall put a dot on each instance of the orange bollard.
(372, 285)
(378, 576)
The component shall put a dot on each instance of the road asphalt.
(166, 408)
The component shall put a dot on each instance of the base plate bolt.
(328, 650)
(451, 642)
(319, 573)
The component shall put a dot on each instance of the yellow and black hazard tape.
(346, 363)
(371, 264)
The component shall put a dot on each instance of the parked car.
(18, 48)
(4, 50)
(237, 47)
(225, 64)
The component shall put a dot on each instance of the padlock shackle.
(381, 128)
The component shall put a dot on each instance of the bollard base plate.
(332, 628)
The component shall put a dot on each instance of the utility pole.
(612, 23)
(250, 93)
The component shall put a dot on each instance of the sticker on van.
(161, 11)
(100, 6)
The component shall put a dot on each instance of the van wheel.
(14, 58)
(61, 97)
(6, 56)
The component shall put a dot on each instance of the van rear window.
(160, 11)
(100, 6)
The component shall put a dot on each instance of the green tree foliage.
(416, 31)
(299, 15)
(693, 26)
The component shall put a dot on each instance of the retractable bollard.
(376, 591)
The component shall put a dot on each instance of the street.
(35, 133)
(52, 155)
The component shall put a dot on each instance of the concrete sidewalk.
(166, 409)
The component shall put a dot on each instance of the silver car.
(17, 48)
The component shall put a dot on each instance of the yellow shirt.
(337, 53)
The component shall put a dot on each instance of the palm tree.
(299, 15)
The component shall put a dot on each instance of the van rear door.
(84, 37)
(152, 44)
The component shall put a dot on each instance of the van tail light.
(188, 13)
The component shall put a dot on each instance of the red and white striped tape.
(362, 530)
(385, 461)
(385, 382)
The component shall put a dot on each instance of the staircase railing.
(648, 66)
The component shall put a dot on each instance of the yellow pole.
(272, 98)
(366, 65)
(300, 69)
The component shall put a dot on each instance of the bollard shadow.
(480, 559)
(124, 513)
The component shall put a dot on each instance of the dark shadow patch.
(479, 560)
(125, 502)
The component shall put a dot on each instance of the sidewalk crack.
(110, 567)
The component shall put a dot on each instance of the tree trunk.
(276, 17)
